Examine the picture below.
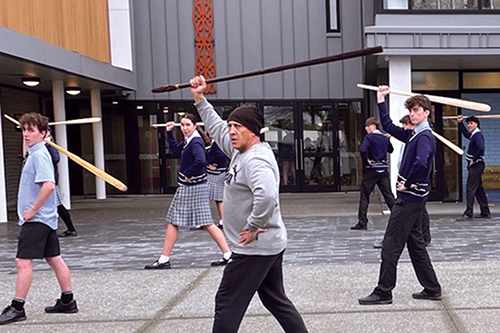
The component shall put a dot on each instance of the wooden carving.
(203, 20)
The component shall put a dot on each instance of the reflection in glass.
(281, 138)
(148, 151)
(350, 138)
(451, 163)
(318, 141)
(114, 148)
(441, 4)
(318, 170)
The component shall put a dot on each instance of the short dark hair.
(36, 120)
(405, 120)
(418, 100)
(472, 119)
(372, 121)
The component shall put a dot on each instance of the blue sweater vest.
(417, 158)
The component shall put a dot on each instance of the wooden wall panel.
(81, 26)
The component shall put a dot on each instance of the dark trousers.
(243, 276)
(370, 179)
(426, 226)
(405, 227)
(475, 189)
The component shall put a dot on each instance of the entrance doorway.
(316, 144)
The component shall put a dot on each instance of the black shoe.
(220, 226)
(60, 307)
(374, 299)
(197, 227)
(485, 216)
(11, 315)
(157, 265)
(68, 233)
(359, 226)
(465, 217)
(424, 294)
(378, 245)
(220, 262)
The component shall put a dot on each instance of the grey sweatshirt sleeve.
(215, 126)
(263, 183)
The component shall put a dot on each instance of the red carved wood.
(203, 21)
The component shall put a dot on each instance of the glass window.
(441, 4)
(332, 15)
(281, 138)
(434, 80)
(395, 4)
(481, 80)
(350, 138)
(148, 148)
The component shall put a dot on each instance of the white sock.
(220, 222)
(227, 255)
(163, 259)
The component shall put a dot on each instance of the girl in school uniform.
(190, 205)
(217, 163)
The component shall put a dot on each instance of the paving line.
(181, 295)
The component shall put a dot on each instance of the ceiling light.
(73, 91)
(114, 102)
(140, 107)
(31, 81)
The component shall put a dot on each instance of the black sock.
(64, 215)
(66, 297)
(18, 304)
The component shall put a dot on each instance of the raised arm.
(213, 122)
(387, 124)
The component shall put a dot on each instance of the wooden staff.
(262, 130)
(77, 121)
(461, 103)
(489, 116)
(317, 61)
(80, 161)
(450, 144)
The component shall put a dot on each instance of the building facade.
(315, 114)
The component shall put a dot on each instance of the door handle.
(297, 154)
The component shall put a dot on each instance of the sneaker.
(196, 227)
(375, 299)
(11, 315)
(220, 225)
(157, 265)
(68, 233)
(378, 245)
(424, 294)
(60, 307)
(220, 262)
(484, 216)
(359, 226)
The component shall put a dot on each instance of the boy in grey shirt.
(252, 219)
(37, 211)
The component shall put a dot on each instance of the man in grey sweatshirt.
(252, 219)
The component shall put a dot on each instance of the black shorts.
(37, 241)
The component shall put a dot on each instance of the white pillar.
(3, 185)
(61, 140)
(95, 101)
(399, 79)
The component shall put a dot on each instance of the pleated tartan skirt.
(216, 186)
(190, 206)
(59, 196)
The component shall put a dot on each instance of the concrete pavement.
(327, 267)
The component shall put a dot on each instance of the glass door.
(282, 139)
(318, 146)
